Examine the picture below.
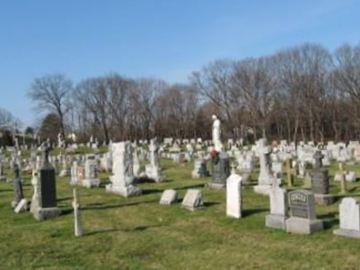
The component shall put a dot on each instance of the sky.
(167, 39)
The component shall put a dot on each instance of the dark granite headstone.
(302, 213)
(47, 185)
(320, 176)
(203, 172)
(220, 170)
(320, 181)
(302, 204)
(18, 190)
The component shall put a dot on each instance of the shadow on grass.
(249, 212)
(151, 191)
(109, 206)
(191, 186)
(6, 190)
(329, 219)
(64, 199)
(209, 204)
(66, 211)
(136, 229)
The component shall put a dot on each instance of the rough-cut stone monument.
(123, 173)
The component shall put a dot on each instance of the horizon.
(165, 40)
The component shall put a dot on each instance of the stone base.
(262, 189)
(275, 221)
(153, 173)
(63, 173)
(324, 199)
(126, 191)
(216, 185)
(89, 183)
(2, 178)
(347, 233)
(303, 225)
(46, 213)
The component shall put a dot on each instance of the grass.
(138, 233)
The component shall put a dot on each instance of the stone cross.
(291, 172)
(78, 231)
(18, 190)
(343, 178)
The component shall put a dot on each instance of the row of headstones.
(300, 204)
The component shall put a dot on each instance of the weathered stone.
(168, 197)
(233, 196)
(302, 209)
(21, 207)
(123, 173)
(349, 215)
(193, 199)
(220, 170)
(278, 208)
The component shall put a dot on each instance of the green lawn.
(138, 233)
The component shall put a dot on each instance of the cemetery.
(96, 215)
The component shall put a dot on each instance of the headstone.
(18, 190)
(200, 169)
(2, 174)
(152, 170)
(35, 200)
(220, 169)
(278, 208)
(74, 174)
(168, 197)
(320, 181)
(265, 176)
(123, 174)
(136, 165)
(302, 213)
(91, 179)
(233, 196)
(193, 199)
(47, 204)
(78, 230)
(349, 215)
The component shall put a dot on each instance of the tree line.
(301, 93)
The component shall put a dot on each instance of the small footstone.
(168, 197)
(21, 207)
(193, 199)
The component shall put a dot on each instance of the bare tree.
(51, 93)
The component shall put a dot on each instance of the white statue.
(216, 133)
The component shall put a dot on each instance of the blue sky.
(160, 38)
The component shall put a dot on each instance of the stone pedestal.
(324, 199)
(303, 225)
(262, 189)
(347, 233)
(126, 191)
(90, 183)
(275, 221)
(46, 213)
